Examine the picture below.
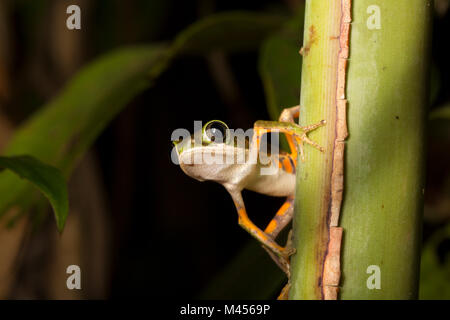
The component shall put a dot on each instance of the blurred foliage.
(441, 113)
(435, 259)
(62, 131)
(280, 66)
(230, 32)
(47, 179)
(435, 266)
(251, 273)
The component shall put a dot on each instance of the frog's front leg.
(289, 115)
(295, 135)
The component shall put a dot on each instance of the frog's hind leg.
(281, 219)
(289, 114)
(284, 295)
(278, 223)
(281, 253)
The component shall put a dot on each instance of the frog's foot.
(277, 252)
(314, 126)
(282, 263)
(286, 261)
(282, 257)
(284, 295)
(278, 223)
(283, 253)
(303, 138)
(288, 250)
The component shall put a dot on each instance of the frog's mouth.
(182, 149)
(181, 145)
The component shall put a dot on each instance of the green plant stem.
(383, 183)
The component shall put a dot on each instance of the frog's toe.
(288, 251)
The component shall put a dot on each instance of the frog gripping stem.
(296, 136)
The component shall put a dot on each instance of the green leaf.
(231, 32)
(61, 131)
(251, 274)
(280, 66)
(438, 124)
(435, 272)
(435, 83)
(49, 180)
(442, 113)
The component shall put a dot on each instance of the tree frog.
(238, 175)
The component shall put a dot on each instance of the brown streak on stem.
(312, 39)
(331, 270)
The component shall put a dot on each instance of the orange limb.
(289, 115)
(284, 295)
(278, 223)
(294, 139)
(281, 219)
(279, 253)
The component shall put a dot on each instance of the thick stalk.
(386, 89)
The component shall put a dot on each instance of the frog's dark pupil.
(213, 134)
(216, 133)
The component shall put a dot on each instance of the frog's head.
(213, 132)
(202, 155)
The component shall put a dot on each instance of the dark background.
(162, 233)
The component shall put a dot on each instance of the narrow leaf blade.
(280, 66)
(49, 180)
(230, 31)
(63, 130)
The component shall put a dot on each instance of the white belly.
(279, 184)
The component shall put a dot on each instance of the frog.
(236, 176)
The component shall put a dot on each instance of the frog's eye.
(215, 131)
